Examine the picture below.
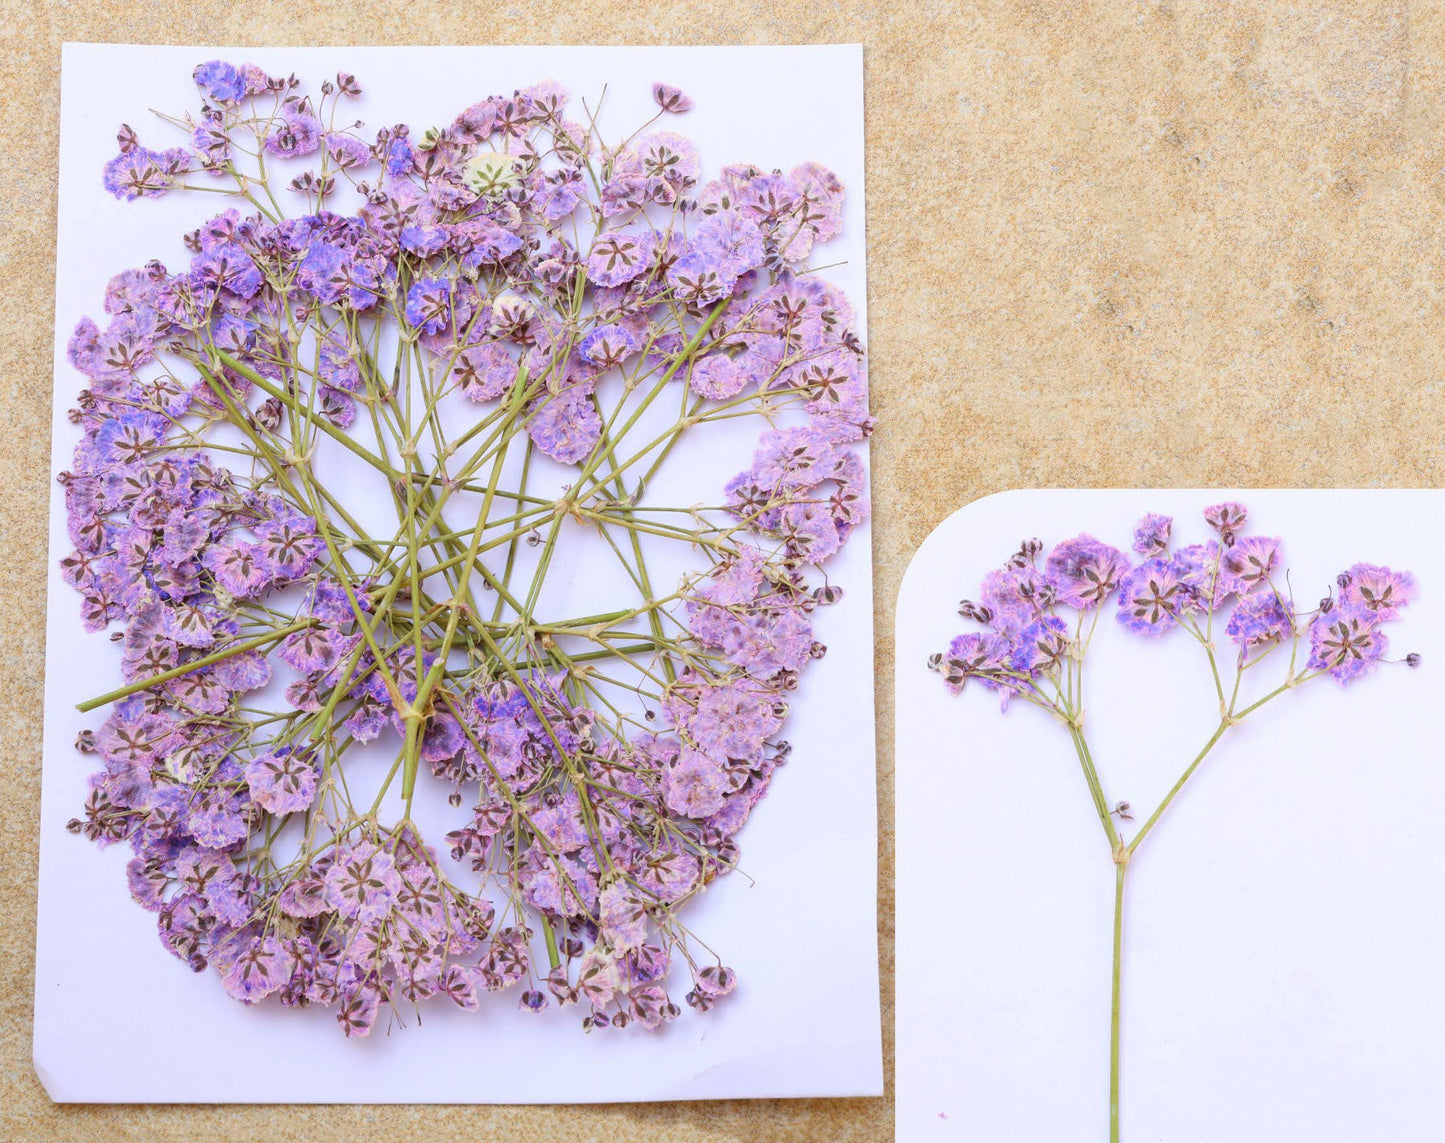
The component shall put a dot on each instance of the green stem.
(341, 438)
(194, 665)
(1179, 785)
(1096, 789)
(1119, 867)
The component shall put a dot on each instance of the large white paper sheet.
(118, 1019)
(1282, 924)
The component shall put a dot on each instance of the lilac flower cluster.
(1035, 617)
(266, 636)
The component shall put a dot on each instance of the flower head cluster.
(513, 330)
(1035, 618)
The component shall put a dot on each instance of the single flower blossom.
(1085, 572)
(282, 781)
(1248, 563)
(1378, 589)
(1260, 619)
(670, 98)
(1151, 597)
(1151, 534)
(1346, 642)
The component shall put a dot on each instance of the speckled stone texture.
(1113, 244)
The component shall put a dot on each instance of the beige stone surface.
(1125, 243)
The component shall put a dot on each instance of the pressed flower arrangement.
(330, 476)
(1038, 616)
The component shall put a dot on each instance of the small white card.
(119, 1019)
(1282, 935)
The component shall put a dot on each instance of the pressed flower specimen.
(339, 477)
(1038, 615)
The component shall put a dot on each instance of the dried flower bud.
(975, 611)
(268, 415)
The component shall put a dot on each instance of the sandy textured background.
(1123, 243)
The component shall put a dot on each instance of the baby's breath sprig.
(330, 474)
(1038, 624)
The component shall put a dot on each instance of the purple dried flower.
(362, 883)
(1152, 597)
(1198, 567)
(1084, 572)
(258, 968)
(1260, 619)
(282, 781)
(429, 305)
(1248, 563)
(617, 258)
(1151, 534)
(731, 243)
(347, 153)
(1380, 590)
(298, 133)
(975, 656)
(695, 785)
(1040, 646)
(670, 99)
(139, 173)
(220, 81)
(717, 377)
(1226, 518)
(1347, 642)
(609, 346)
